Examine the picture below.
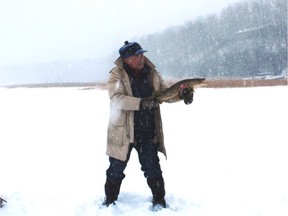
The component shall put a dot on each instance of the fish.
(173, 91)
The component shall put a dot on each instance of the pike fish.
(173, 91)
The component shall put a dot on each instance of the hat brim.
(139, 51)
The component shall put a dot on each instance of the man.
(135, 121)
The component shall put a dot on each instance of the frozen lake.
(227, 154)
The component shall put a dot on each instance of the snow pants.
(147, 155)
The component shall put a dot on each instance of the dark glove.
(186, 93)
(189, 98)
(148, 103)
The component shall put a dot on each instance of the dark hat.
(130, 48)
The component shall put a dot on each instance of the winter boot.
(158, 192)
(111, 191)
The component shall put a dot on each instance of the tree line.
(247, 39)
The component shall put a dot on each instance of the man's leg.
(150, 165)
(114, 176)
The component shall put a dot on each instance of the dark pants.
(147, 155)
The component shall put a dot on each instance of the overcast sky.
(34, 31)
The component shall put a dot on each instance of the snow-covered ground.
(227, 154)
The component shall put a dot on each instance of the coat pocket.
(117, 117)
(115, 135)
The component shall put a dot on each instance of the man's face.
(136, 62)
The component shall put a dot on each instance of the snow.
(227, 154)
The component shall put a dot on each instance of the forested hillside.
(246, 40)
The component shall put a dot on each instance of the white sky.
(34, 31)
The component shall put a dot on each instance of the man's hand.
(148, 103)
(186, 93)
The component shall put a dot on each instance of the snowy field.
(227, 154)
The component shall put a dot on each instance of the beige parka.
(122, 106)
